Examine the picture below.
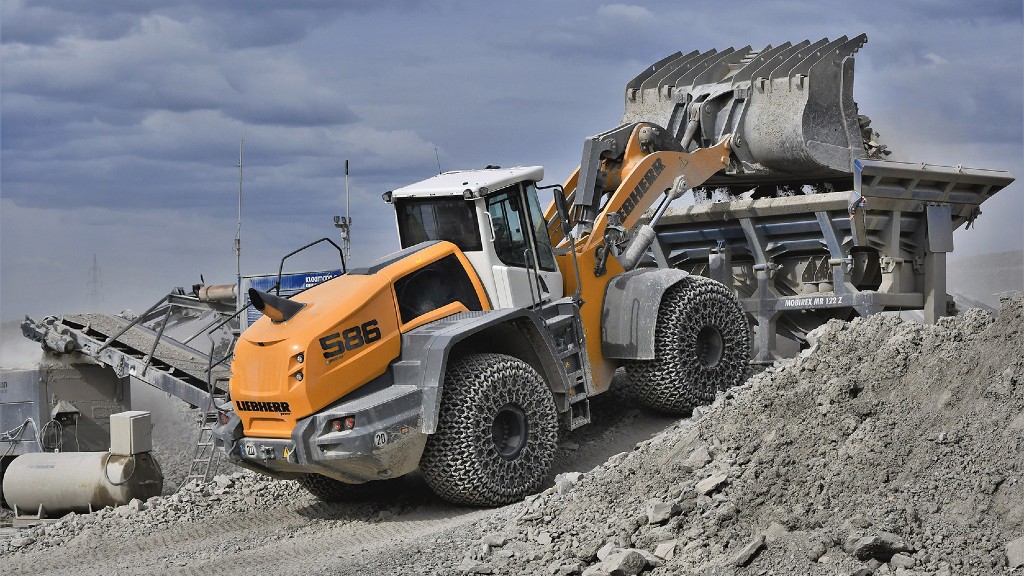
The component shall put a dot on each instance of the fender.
(426, 351)
(631, 303)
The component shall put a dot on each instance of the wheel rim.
(509, 431)
(710, 346)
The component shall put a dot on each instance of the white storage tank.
(51, 484)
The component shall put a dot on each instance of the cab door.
(525, 273)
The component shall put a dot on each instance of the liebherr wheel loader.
(462, 354)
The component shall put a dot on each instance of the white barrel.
(51, 484)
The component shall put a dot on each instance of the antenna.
(238, 228)
(438, 158)
(344, 223)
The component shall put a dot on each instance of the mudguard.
(631, 303)
(518, 332)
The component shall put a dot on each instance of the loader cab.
(494, 217)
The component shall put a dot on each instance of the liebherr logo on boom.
(642, 187)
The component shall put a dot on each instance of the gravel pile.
(225, 494)
(890, 447)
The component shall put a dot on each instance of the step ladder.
(205, 453)
(562, 323)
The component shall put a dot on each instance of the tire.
(701, 345)
(328, 489)
(496, 435)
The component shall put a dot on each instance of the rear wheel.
(701, 345)
(496, 435)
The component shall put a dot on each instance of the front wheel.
(496, 435)
(701, 345)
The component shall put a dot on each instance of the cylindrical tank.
(52, 484)
(217, 293)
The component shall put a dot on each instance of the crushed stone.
(888, 447)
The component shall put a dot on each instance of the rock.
(471, 566)
(136, 505)
(665, 550)
(652, 560)
(902, 561)
(587, 551)
(570, 446)
(495, 540)
(816, 550)
(544, 538)
(596, 570)
(566, 481)
(605, 550)
(223, 481)
(659, 512)
(748, 552)
(711, 483)
(881, 545)
(624, 562)
(22, 542)
(699, 458)
(775, 532)
(863, 571)
(1015, 553)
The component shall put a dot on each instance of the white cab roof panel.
(455, 183)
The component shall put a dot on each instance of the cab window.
(509, 231)
(514, 223)
(451, 219)
(545, 256)
(433, 286)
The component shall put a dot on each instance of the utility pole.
(238, 228)
(94, 286)
(344, 223)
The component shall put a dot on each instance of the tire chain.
(676, 380)
(460, 462)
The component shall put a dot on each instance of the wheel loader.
(464, 354)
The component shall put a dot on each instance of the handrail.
(280, 269)
(527, 257)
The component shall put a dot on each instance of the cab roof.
(478, 181)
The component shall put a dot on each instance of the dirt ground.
(888, 448)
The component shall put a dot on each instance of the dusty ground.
(890, 448)
(243, 522)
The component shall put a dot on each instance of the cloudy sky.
(121, 119)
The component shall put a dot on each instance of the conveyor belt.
(175, 368)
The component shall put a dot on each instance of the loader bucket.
(789, 110)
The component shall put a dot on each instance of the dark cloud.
(121, 119)
(234, 24)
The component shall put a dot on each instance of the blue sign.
(290, 284)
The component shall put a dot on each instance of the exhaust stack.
(276, 308)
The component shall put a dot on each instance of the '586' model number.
(338, 343)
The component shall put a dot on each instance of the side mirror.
(563, 210)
